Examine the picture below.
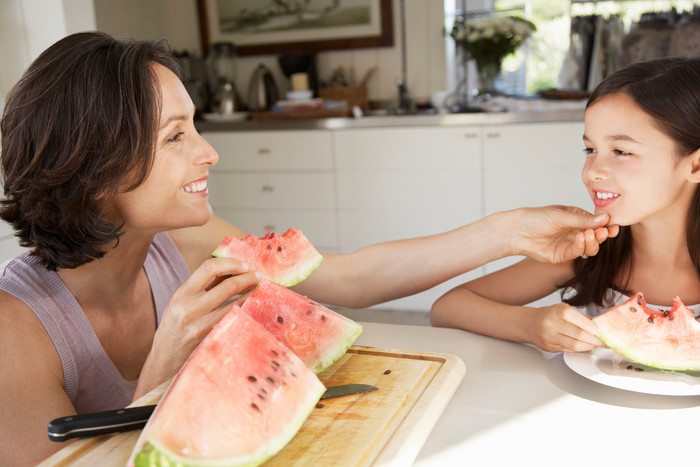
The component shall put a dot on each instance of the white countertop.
(520, 406)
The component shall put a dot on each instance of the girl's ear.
(694, 176)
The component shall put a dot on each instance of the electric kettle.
(262, 90)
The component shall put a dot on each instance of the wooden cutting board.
(383, 427)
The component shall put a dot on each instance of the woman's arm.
(390, 270)
(493, 305)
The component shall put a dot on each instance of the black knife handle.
(110, 421)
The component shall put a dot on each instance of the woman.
(642, 168)
(105, 181)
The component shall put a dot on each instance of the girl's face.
(175, 192)
(631, 169)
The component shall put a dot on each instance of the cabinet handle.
(268, 188)
(269, 228)
(471, 135)
(263, 151)
(494, 134)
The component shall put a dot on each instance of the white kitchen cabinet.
(396, 183)
(273, 180)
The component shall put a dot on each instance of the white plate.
(234, 117)
(597, 365)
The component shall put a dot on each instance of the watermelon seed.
(387, 372)
(630, 367)
(269, 247)
(274, 352)
(651, 320)
(279, 248)
(270, 380)
(252, 379)
(633, 309)
(323, 317)
(309, 312)
(666, 313)
(670, 318)
(262, 390)
(320, 406)
(639, 369)
(280, 319)
(275, 366)
(255, 406)
(261, 396)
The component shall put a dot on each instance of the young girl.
(642, 167)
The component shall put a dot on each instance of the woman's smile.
(198, 187)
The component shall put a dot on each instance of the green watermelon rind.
(154, 454)
(328, 360)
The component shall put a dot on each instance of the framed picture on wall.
(259, 27)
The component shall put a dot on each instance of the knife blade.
(134, 418)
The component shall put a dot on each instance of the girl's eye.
(588, 151)
(620, 152)
(176, 137)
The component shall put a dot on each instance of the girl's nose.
(595, 169)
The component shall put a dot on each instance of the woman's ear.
(694, 176)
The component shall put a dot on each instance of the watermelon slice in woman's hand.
(286, 259)
(664, 339)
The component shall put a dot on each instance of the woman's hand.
(557, 234)
(561, 328)
(195, 307)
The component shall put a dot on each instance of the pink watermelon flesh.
(666, 339)
(317, 335)
(286, 259)
(240, 397)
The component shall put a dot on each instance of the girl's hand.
(195, 307)
(562, 328)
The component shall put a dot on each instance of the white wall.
(178, 23)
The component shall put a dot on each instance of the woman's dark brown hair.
(668, 90)
(78, 127)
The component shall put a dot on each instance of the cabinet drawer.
(273, 150)
(272, 190)
(410, 189)
(319, 226)
(388, 148)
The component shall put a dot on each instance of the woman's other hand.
(557, 234)
(195, 307)
(562, 328)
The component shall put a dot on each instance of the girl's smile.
(603, 199)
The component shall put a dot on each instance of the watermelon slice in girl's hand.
(318, 335)
(666, 339)
(240, 398)
(286, 259)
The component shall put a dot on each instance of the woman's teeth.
(601, 195)
(195, 187)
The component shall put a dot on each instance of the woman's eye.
(176, 137)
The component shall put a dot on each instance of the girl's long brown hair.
(667, 89)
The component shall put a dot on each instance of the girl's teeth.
(601, 195)
(195, 187)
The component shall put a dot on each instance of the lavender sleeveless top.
(91, 380)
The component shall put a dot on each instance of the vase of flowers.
(488, 41)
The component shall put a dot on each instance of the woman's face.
(631, 170)
(175, 192)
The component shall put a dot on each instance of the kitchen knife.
(134, 418)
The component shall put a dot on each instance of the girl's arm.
(493, 305)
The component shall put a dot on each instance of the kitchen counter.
(520, 406)
(462, 119)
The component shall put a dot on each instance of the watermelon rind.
(666, 340)
(237, 401)
(288, 273)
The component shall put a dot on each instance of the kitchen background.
(449, 174)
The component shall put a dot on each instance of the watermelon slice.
(286, 259)
(240, 397)
(317, 335)
(665, 339)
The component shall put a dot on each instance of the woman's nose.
(206, 153)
